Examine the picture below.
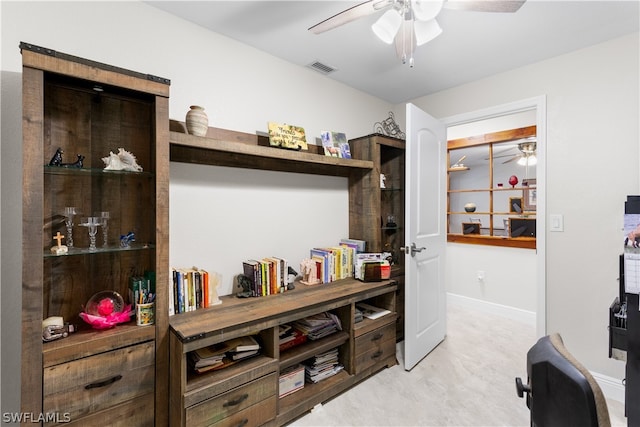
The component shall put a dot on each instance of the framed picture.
(529, 194)
(515, 205)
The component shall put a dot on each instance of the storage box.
(291, 380)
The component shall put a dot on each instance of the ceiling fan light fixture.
(387, 26)
(426, 10)
(528, 160)
(426, 31)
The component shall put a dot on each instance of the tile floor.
(468, 380)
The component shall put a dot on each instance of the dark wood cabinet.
(85, 110)
(377, 205)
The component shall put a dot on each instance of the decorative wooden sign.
(287, 136)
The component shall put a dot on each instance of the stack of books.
(319, 325)
(221, 355)
(322, 366)
(290, 337)
(268, 276)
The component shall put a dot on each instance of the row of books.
(267, 276)
(221, 355)
(336, 262)
(192, 289)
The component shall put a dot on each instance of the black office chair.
(560, 391)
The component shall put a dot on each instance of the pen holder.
(145, 314)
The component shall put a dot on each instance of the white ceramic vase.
(197, 121)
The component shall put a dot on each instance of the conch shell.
(123, 161)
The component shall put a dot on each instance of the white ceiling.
(473, 45)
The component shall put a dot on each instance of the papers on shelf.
(371, 312)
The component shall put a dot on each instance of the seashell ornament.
(123, 161)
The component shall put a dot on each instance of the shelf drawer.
(91, 384)
(375, 346)
(251, 404)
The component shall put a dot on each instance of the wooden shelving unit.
(87, 108)
(235, 317)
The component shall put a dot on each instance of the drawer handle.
(103, 383)
(243, 423)
(377, 336)
(376, 354)
(236, 401)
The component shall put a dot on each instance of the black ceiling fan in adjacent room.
(411, 23)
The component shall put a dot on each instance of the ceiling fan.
(527, 155)
(411, 23)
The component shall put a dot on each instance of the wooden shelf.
(187, 148)
(310, 348)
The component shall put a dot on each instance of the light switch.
(556, 222)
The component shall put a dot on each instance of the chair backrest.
(561, 390)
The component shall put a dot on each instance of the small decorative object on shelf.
(383, 180)
(105, 310)
(59, 249)
(56, 160)
(470, 207)
(291, 277)
(127, 239)
(123, 161)
(389, 127)
(244, 283)
(309, 272)
(391, 221)
(79, 163)
(513, 180)
(54, 328)
(92, 223)
(197, 121)
(287, 136)
(69, 213)
(104, 222)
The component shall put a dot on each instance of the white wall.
(241, 88)
(592, 156)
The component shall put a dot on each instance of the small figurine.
(126, 239)
(56, 160)
(291, 277)
(59, 249)
(244, 283)
(382, 181)
(77, 164)
(309, 274)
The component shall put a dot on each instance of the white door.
(425, 236)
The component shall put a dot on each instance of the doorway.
(536, 106)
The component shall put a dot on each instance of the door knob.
(413, 249)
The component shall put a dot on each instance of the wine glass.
(92, 223)
(104, 222)
(69, 213)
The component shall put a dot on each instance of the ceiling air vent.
(321, 68)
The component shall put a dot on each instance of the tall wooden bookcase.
(376, 209)
(89, 109)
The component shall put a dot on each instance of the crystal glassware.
(104, 223)
(92, 223)
(69, 213)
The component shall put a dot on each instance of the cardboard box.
(291, 380)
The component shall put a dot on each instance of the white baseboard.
(524, 316)
(612, 388)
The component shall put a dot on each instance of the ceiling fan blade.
(500, 6)
(351, 14)
(512, 159)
